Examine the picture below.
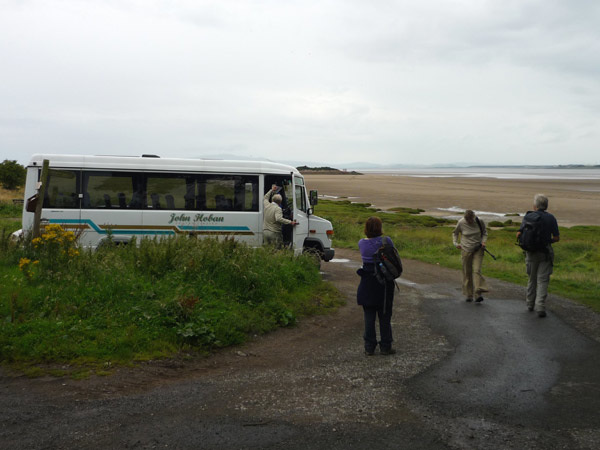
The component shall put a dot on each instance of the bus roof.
(153, 163)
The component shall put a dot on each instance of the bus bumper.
(328, 254)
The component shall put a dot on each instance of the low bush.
(153, 299)
(498, 224)
(403, 209)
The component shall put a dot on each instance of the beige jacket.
(470, 235)
(273, 218)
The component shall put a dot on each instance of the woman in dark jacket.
(375, 298)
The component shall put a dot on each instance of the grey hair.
(540, 201)
(277, 199)
(469, 215)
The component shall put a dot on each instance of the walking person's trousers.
(539, 268)
(473, 281)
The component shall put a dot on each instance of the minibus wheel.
(314, 253)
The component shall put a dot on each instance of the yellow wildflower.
(23, 263)
(54, 228)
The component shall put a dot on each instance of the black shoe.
(389, 351)
(530, 308)
(479, 299)
(369, 352)
(469, 299)
(541, 314)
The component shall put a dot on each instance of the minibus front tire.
(328, 254)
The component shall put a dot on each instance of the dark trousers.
(385, 328)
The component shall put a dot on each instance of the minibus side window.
(109, 190)
(228, 192)
(217, 191)
(167, 191)
(300, 198)
(63, 189)
(248, 184)
(251, 194)
(190, 196)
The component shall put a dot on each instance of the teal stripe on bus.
(135, 230)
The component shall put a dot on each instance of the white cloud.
(486, 81)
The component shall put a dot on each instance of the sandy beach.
(573, 202)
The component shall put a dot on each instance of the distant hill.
(325, 171)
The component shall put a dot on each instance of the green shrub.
(135, 302)
(495, 224)
(403, 209)
(12, 174)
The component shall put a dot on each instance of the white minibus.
(121, 197)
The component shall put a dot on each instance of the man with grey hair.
(539, 259)
(470, 237)
(273, 218)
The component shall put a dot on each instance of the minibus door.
(300, 232)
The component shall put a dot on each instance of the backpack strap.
(391, 244)
(479, 225)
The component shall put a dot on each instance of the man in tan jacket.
(273, 218)
(470, 236)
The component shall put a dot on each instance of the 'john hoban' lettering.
(179, 218)
(197, 218)
(209, 218)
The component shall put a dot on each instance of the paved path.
(510, 378)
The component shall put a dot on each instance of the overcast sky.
(325, 81)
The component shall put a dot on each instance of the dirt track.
(311, 386)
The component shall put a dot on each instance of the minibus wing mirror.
(313, 198)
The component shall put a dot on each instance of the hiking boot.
(530, 308)
(469, 299)
(369, 352)
(541, 314)
(389, 351)
(479, 299)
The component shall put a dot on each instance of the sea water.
(506, 173)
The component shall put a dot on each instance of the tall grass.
(7, 195)
(149, 300)
(577, 255)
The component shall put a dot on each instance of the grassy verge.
(10, 214)
(139, 302)
(577, 261)
(10, 211)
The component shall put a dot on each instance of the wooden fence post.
(37, 216)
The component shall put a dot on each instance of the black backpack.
(531, 238)
(388, 265)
